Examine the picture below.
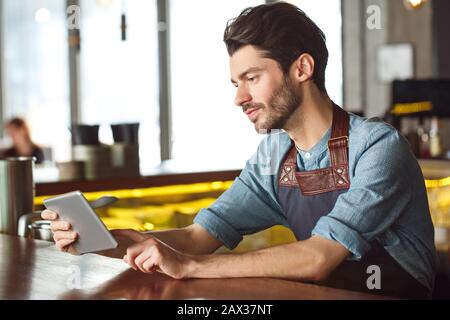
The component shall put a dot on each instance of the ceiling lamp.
(414, 4)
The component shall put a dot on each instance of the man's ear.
(303, 67)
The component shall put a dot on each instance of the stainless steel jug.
(16, 191)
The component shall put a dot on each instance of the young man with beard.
(348, 187)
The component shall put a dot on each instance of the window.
(328, 17)
(119, 79)
(206, 123)
(35, 70)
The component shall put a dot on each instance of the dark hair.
(19, 123)
(16, 122)
(282, 32)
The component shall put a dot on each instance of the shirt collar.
(319, 147)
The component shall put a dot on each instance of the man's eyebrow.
(249, 70)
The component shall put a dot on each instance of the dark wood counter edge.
(51, 188)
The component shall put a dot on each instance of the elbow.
(324, 256)
(320, 276)
(320, 270)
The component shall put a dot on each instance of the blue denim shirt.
(387, 199)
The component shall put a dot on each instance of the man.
(349, 188)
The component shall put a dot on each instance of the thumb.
(129, 233)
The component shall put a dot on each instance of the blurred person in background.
(22, 144)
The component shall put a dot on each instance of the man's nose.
(242, 96)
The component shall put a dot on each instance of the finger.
(154, 268)
(143, 257)
(71, 249)
(136, 249)
(49, 215)
(129, 233)
(132, 253)
(62, 235)
(125, 258)
(60, 225)
(64, 244)
(150, 266)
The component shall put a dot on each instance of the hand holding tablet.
(93, 235)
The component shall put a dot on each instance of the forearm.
(193, 240)
(290, 261)
(178, 238)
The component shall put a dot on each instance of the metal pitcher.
(16, 191)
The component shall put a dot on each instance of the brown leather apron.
(306, 196)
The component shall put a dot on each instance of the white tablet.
(92, 233)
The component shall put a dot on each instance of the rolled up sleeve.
(249, 206)
(242, 209)
(218, 227)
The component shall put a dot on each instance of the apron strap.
(338, 142)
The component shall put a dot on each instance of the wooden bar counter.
(34, 269)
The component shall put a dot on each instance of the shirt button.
(307, 155)
(285, 179)
(340, 182)
(339, 170)
(288, 169)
